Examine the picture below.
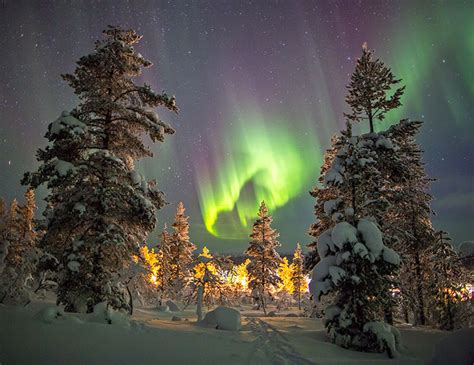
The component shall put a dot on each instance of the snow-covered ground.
(32, 335)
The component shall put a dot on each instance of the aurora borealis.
(260, 86)
(261, 160)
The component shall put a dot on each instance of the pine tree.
(449, 294)
(355, 190)
(99, 208)
(181, 253)
(208, 282)
(368, 89)
(298, 277)
(4, 242)
(265, 260)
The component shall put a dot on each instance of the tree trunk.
(130, 302)
(419, 290)
(200, 295)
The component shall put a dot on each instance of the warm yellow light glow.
(152, 260)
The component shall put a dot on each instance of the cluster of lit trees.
(172, 270)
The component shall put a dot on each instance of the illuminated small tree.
(298, 277)
(21, 256)
(238, 279)
(448, 284)
(208, 280)
(264, 259)
(285, 273)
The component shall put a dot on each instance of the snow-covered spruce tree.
(368, 89)
(165, 272)
(353, 197)
(449, 296)
(359, 269)
(181, 253)
(99, 208)
(354, 265)
(264, 259)
(298, 276)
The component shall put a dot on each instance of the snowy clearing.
(33, 335)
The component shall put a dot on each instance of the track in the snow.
(271, 344)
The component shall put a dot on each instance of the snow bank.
(456, 348)
(224, 318)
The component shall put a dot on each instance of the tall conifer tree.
(99, 208)
(264, 259)
(181, 252)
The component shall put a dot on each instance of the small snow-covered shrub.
(387, 337)
(105, 314)
(50, 314)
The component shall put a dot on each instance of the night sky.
(260, 86)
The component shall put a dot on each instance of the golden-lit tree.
(298, 277)
(209, 281)
(285, 273)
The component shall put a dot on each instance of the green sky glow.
(262, 159)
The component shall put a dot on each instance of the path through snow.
(271, 346)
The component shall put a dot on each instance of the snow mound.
(50, 314)
(456, 348)
(388, 337)
(104, 314)
(53, 314)
(163, 308)
(224, 318)
(172, 306)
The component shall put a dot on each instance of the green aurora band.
(260, 161)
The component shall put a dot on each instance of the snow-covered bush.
(103, 313)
